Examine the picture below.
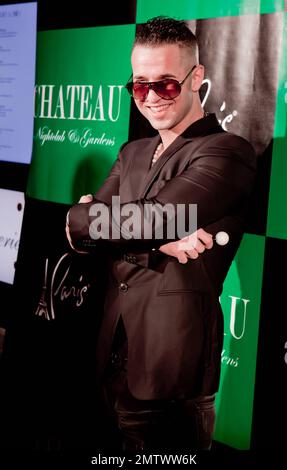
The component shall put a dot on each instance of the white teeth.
(157, 109)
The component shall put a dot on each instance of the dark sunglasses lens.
(140, 91)
(167, 89)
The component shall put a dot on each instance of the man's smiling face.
(153, 63)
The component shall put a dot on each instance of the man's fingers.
(187, 243)
(199, 240)
(182, 257)
(199, 247)
(193, 254)
(205, 237)
(86, 198)
(196, 240)
(189, 247)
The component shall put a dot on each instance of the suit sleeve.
(111, 185)
(109, 188)
(218, 182)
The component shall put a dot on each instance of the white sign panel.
(11, 215)
(17, 79)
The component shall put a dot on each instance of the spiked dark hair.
(166, 30)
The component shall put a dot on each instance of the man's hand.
(83, 199)
(189, 247)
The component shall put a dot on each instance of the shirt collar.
(206, 125)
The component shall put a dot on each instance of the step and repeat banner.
(82, 115)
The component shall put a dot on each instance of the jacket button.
(123, 287)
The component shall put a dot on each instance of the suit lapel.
(144, 175)
(141, 167)
(164, 158)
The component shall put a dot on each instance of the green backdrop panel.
(240, 301)
(81, 109)
(195, 9)
(277, 213)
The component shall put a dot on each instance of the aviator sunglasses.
(167, 89)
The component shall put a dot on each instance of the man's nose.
(152, 96)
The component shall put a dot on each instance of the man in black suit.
(161, 336)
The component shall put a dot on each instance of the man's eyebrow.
(160, 77)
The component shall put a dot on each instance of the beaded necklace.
(157, 153)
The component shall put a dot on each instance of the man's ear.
(197, 77)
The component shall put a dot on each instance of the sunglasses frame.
(151, 86)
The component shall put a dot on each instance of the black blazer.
(171, 311)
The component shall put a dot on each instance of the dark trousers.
(156, 425)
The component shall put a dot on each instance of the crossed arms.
(218, 182)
